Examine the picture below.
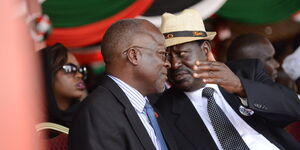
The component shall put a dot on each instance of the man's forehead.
(183, 46)
(149, 37)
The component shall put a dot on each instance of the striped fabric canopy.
(82, 23)
(79, 23)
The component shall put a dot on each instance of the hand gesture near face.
(213, 72)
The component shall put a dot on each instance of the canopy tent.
(79, 24)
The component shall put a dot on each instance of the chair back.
(294, 130)
(59, 141)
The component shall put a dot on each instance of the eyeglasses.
(164, 56)
(73, 69)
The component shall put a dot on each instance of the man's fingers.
(206, 74)
(207, 67)
(212, 80)
(207, 64)
(212, 63)
(205, 77)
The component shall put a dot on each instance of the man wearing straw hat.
(216, 106)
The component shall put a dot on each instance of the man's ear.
(207, 49)
(133, 55)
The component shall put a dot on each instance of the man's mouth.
(165, 75)
(180, 75)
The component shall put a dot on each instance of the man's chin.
(162, 89)
(188, 85)
(184, 85)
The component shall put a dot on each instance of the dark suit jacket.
(108, 121)
(274, 107)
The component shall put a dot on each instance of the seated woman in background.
(64, 83)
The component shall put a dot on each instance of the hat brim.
(181, 40)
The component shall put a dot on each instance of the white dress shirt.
(138, 101)
(253, 139)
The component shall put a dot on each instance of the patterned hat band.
(185, 34)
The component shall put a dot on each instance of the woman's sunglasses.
(73, 69)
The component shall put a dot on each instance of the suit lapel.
(130, 113)
(234, 103)
(190, 123)
(166, 132)
(254, 122)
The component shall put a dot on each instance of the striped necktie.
(150, 113)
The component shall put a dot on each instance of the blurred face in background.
(271, 65)
(68, 81)
(251, 46)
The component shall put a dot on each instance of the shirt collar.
(137, 100)
(197, 94)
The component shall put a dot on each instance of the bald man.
(117, 115)
(251, 46)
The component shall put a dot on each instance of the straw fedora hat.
(185, 27)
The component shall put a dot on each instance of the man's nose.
(175, 62)
(167, 64)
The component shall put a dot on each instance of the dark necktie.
(228, 136)
(155, 126)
